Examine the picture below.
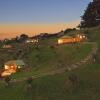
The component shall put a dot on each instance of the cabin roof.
(66, 36)
(15, 62)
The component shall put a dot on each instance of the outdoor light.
(12, 66)
(6, 67)
(81, 37)
(19, 67)
(60, 41)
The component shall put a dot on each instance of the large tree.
(91, 15)
(23, 37)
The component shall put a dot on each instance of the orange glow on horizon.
(12, 30)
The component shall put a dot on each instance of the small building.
(13, 65)
(67, 39)
(32, 41)
(70, 39)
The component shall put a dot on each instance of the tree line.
(91, 16)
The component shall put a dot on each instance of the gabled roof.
(15, 62)
(66, 36)
(20, 62)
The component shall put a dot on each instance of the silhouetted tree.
(91, 16)
(67, 30)
(23, 37)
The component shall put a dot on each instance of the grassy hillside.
(46, 59)
(58, 87)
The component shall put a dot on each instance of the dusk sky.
(37, 16)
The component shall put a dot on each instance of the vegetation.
(91, 16)
(82, 83)
(58, 86)
(48, 59)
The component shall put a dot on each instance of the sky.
(38, 16)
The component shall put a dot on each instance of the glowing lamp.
(6, 67)
(60, 41)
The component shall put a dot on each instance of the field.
(58, 86)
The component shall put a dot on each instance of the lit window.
(19, 67)
(6, 67)
(60, 41)
(83, 36)
(12, 66)
(80, 37)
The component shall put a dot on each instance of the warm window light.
(60, 41)
(5, 73)
(27, 41)
(6, 67)
(81, 37)
(32, 41)
(12, 66)
(19, 67)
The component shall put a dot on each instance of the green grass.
(48, 59)
(4, 57)
(58, 87)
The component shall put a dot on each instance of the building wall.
(69, 40)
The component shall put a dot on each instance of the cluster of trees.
(91, 16)
(58, 34)
(21, 38)
(17, 39)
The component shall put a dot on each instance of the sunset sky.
(38, 16)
